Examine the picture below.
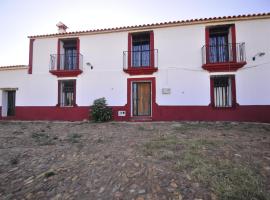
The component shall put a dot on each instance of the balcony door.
(141, 50)
(141, 98)
(70, 59)
(218, 45)
(70, 54)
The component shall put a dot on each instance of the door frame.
(4, 110)
(131, 96)
(154, 105)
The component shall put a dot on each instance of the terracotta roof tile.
(156, 25)
(14, 67)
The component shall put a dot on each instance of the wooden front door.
(141, 98)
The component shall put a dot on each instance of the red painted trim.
(75, 95)
(212, 97)
(141, 70)
(78, 53)
(66, 73)
(129, 49)
(234, 103)
(30, 64)
(249, 113)
(223, 67)
(129, 95)
(58, 53)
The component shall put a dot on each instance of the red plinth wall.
(254, 113)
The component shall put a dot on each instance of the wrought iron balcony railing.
(140, 59)
(231, 52)
(66, 62)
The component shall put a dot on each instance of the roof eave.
(158, 25)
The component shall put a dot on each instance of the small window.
(222, 91)
(67, 93)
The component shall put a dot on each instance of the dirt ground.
(174, 160)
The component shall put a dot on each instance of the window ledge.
(140, 70)
(233, 107)
(223, 67)
(66, 73)
(66, 107)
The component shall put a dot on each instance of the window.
(141, 50)
(67, 96)
(223, 91)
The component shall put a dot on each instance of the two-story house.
(200, 69)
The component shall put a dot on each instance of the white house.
(201, 69)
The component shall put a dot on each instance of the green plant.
(74, 138)
(42, 139)
(100, 112)
(49, 174)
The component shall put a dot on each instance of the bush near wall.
(100, 111)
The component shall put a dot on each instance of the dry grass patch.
(228, 180)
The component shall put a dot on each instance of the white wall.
(33, 90)
(106, 79)
(4, 104)
(253, 84)
(179, 63)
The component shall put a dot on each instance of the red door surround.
(128, 106)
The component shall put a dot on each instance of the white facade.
(179, 67)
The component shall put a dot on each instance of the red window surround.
(31, 44)
(67, 73)
(141, 70)
(233, 88)
(233, 65)
(59, 93)
(129, 95)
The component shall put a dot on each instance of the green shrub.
(100, 112)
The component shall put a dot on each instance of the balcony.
(140, 62)
(66, 65)
(220, 58)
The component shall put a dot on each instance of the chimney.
(61, 27)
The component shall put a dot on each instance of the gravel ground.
(64, 160)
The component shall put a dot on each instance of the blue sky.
(19, 19)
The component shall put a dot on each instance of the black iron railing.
(142, 58)
(231, 52)
(66, 62)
